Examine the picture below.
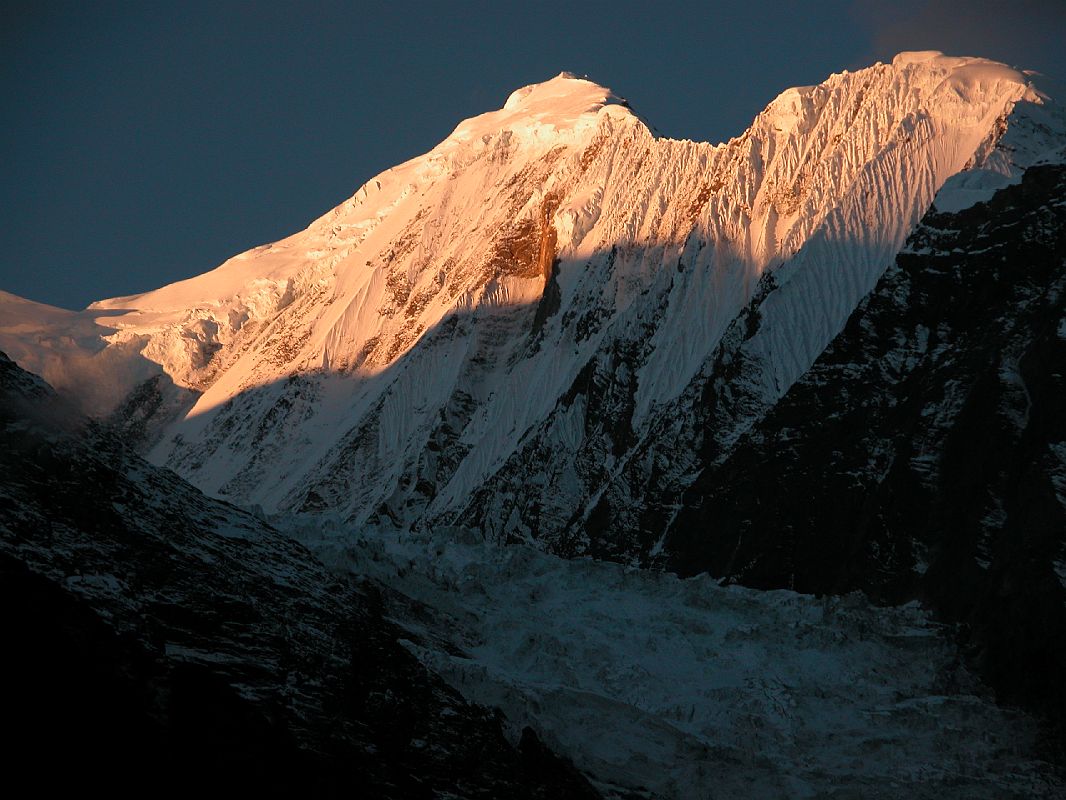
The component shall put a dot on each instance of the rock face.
(924, 453)
(158, 641)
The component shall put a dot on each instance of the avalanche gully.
(669, 451)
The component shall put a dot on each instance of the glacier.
(660, 687)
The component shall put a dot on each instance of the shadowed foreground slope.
(160, 642)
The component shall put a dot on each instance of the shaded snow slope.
(551, 278)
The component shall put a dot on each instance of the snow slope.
(68, 350)
(400, 357)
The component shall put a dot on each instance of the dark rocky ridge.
(159, 642)
(922, 456)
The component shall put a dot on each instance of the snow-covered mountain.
(490, 333)
(824, 356)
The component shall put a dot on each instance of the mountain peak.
(565, 104)
(963, 71)
(564, 89)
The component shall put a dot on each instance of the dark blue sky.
(146, 142)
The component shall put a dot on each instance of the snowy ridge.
(410, 344)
